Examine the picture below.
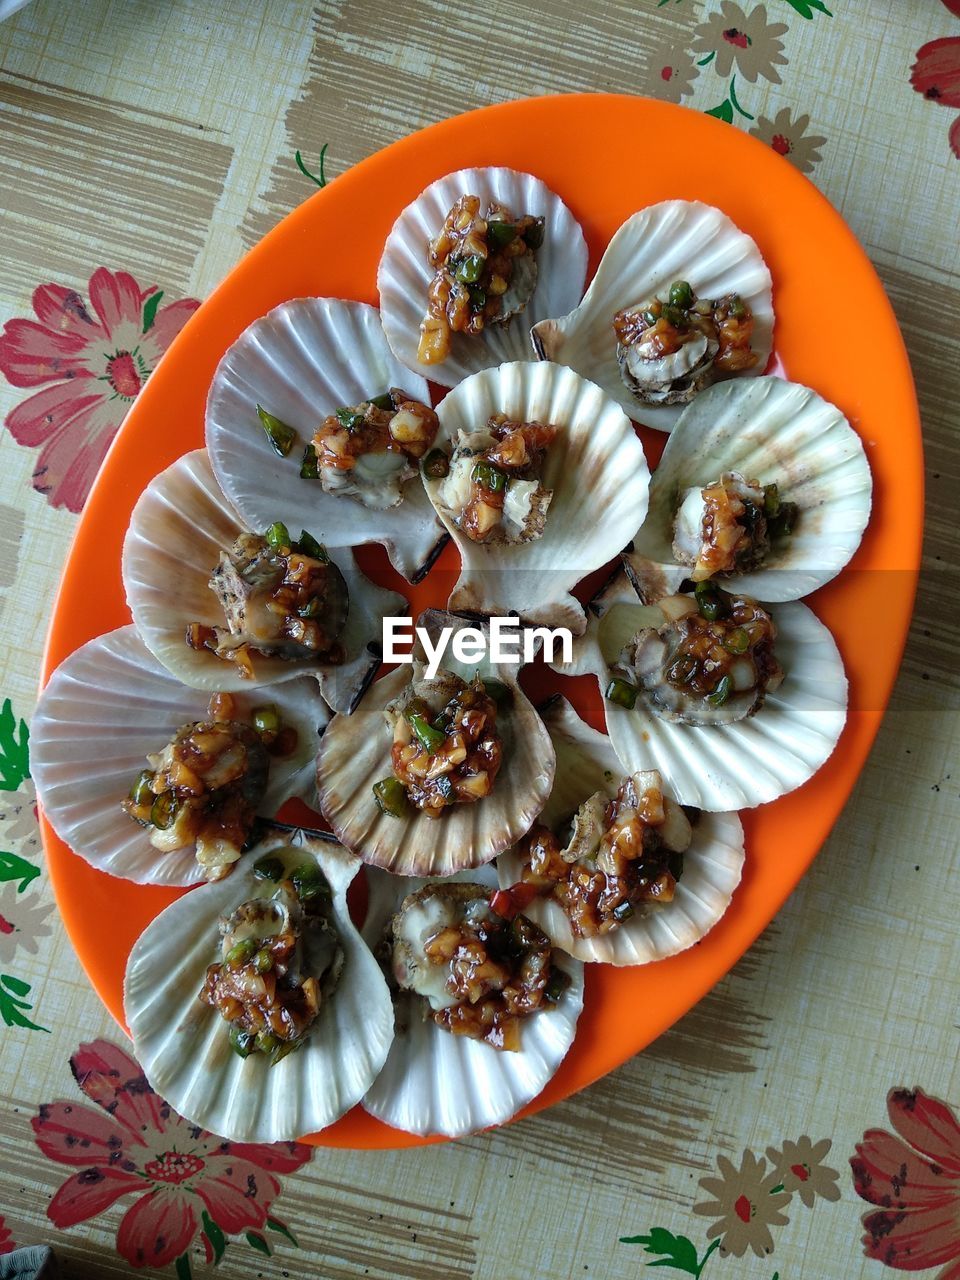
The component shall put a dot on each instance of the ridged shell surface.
(182, 1043)
(600, 480)
(179, 527)
(712, 866)
(302, 361)
(404, 274)
(673, 240)
(438, 1083)
(773, 431)
(104, 709)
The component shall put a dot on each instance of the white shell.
(733, 766)
(301, 361)
(405, 274)
(108, 705)
(712, 866)
(355, 753)
(599, 477)
(179, 526)
(674, 240)
(438, 1083)
(182, 1043)
(772, 431)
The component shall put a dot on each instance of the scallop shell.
(405, 274)
(182, 1043)
(732, 766)
(600, 480)
(773, 431)
(355, 753)
(438, 1083)
(712, 866)
(180, 525)
(108, 705)
(301, 361)
(674, 240)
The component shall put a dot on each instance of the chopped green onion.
(279, 434)
(469, 270)
(309, 882)
(382, 402)
(263, 961)
(737, 308)
(721, 693)
(309, 546)
(436, 464)
(771, 500)
(430, 739)
(391, 797)
(478, 297)
(164, 810)
(489, 477)
(500, 234)
(622, 692)
(738, 641)
(349, 418)
(781, 525)
(278, 535)
(622, 911)
(241, 952)
(242, 1042)
(650, 317)
(268, 868)
(310, 466)
(534, 234)
(266, 719)
(556, 986)
(709, 601)
(681, 295)
(140, 792)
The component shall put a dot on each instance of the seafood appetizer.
(681, 298)
(264, 982)
(431, 775)
(486, 1008)
(224, 608)
(146, 781)
(731, 704)
(763, 486)
(491, 486)
(538, 477)
(615, 870)
(465, 259)
(312, 421)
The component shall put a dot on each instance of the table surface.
(144, 147)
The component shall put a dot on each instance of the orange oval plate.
(835, 331)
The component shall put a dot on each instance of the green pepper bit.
(738, 641)
(279, 434)
(478, 297)
(430, 739)
(310, 466)
(556, 986)
(266, 719)
(140, 792)
(489, 477)
(533, 236)
(310, 883)
(164, 810)
(278, 535)
(263, 961)
(500, 234)
(307, 545)
(349, 418)
(709, 601)
(721, 693)
(622, 911)
(771, 500)
(782, 524)
(391, 797)
(241, 952)
(681, 295)
(498, 692)
(242, 1042)
(469, 270)
(737, 308)
(622, 692)
(436, 464)
(268, 868)
(382, 402)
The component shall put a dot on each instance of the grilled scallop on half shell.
(405, 273)
(594, 468)
(301, 362)
(712, 862)
(672, 241)
(355, 754)
(722, 766)
(183, 1045)
(763, 431)
(182, 530)
(435, 1082)
(110, 704)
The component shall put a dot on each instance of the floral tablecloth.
(803, 1119)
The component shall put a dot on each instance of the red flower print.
(936, 74)
(6, 1238)
(915, 1181)
(136, 1145)
(91, 368)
